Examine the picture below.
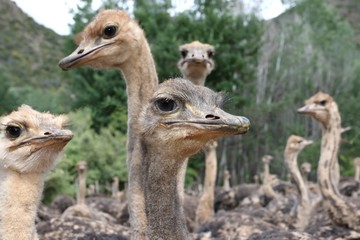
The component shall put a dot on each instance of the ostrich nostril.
(80, 51)
(47, 133)
(212, 117)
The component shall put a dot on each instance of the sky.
(55, 14)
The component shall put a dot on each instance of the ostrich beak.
(307, 142)
(219, 125)
(55, 137)
(81, 55)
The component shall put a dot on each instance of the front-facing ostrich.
(196, 64)
(30, 144)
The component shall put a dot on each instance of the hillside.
(29, 52)
(350, 11)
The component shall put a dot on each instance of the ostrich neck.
(163, 204)
(328, 158)
(19, 198)
(82, 188)
(342, 212)
(266, 171)
(205, 209)
(303, 211)
(291, 160)
(141, 80)
(197, 79)
(357, 173)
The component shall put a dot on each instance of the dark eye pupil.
(13, 131)
(210, 54)
(166, 105)
(183, 53)
(323, 102)
(109, 31)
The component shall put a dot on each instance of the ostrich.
(305, 170)
(343, 211)
(31, 142)
(196, 64)
(81, 166)
(182, 117)
(226, 183)
(114, 39)
(293, 147)
(81, 209)
(357, 168)
(196, 61)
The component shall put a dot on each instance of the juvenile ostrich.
(182, 117)
(305, 170)
(357, 168)
(114, 40)
(226, 183)
(343, 211)
(81, 166)
(293, 147)
(30, 144)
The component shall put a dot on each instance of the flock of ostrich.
(167, 124)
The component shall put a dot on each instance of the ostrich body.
(182, 117)
(31, 142)
(113, 39)
(324, 109)
(293, 147)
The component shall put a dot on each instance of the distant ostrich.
(81, 166)
(31, 142)
(196, 64)
(268, 180)
(305, 170)
(81, 209)
(196, 61)
(357, 168)
(343, 211)
(293, 147)
(226, 183)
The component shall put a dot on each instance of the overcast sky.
(55, 14)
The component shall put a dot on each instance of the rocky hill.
(29, 52)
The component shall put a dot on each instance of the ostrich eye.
(13, 131)
(183, 53)
(210, 54)
(323, 102)
(166, 105)
(109, 31)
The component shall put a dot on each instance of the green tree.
(7, 98)
(104, 153)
